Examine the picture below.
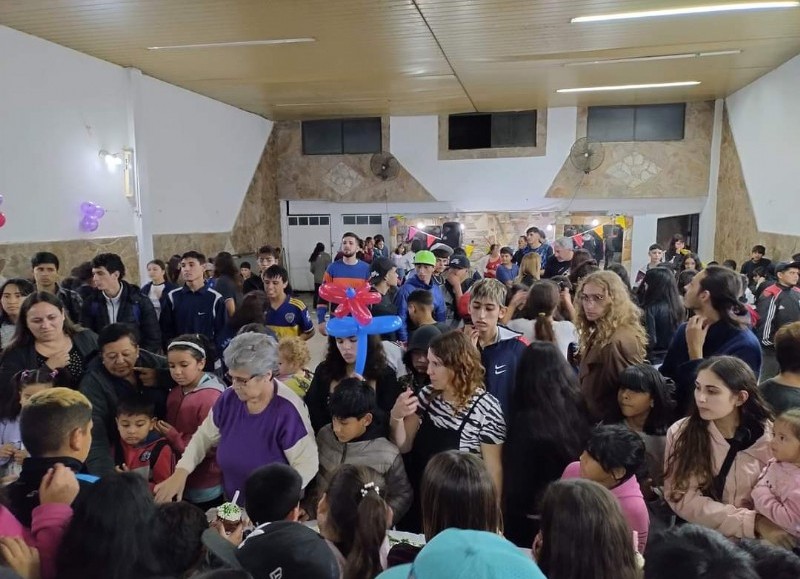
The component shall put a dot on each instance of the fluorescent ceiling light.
(656, 57)
(629, 86)
(235, 44)
(687, 10)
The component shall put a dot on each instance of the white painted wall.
(201, 155)
(59, 108)
(765, 121)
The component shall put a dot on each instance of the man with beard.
(347, 272)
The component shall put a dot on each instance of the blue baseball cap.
(462, 554)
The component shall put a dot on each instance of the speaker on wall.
(451, 234)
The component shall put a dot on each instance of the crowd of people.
(535, 415)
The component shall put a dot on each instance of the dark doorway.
(686, 225)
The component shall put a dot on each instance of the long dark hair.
(547, 398)
(646, 379)
(358, 516)
(224, 266)
(543, 299)
(336, 368)
(174, 269)
(23, 338)
(25, 287)
(698, 265)
(659, 285)
(110, 534)
(457, 491)
(691, 455)
(319, 248)
(250, 311)
(577, 513)
(722, 285)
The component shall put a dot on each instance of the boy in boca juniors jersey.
(140, 447)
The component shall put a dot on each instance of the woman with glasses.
(611, 339)
(121, 369)
(256, 422)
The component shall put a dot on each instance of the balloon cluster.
(2, 215)
(90, 216)
(356, 302)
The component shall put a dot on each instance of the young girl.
(188, 404)
(613, 457)
(537, 321)
(728, 418)
(777, 493)
(293, 357)
(353, 517)
(24, 385)
(158, 287)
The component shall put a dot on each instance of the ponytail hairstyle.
(691, 454)
(358, 516)
(11, 406)
(197, 345)
(318, 248)
(722, 285)
(542, 302)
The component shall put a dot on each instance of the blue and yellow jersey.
(290, 319)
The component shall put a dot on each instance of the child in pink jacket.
(50, 519)
(188, 404)
(777, 493)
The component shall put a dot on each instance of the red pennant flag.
(412, 231)
(578, 239)
(431, 239)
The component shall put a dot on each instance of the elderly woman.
(45, 336)
(12, 293)
(121, 369)
(258, 421)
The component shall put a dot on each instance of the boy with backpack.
(140, 447)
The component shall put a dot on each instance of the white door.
(303, 234)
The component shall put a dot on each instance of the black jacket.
(777, 306)
(660, 329)
(15, 359)
(104, 390)
(134, 309)
(23, 494)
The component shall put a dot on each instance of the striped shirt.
(343, 275)
(485, 425)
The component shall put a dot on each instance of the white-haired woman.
(256, 422)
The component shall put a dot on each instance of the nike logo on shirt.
(500, 369)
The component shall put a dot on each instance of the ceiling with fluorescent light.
(416, 57)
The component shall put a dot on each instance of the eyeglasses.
(589, 298)
(236, 381)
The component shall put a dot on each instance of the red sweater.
(185, 413)
(139, 458)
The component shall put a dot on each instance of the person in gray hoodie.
(354, 437)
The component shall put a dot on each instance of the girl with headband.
(188, 405)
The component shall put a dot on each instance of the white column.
(142, 209)
(708, 216)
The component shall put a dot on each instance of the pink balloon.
(2, 219)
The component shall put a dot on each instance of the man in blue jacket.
(424, 264)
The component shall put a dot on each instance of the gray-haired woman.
(258, 421)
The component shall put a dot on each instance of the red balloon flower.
(353, 301)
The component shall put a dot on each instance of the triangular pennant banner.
(431, 239)
(598, 230)
(412, 231)
(620, 220)
(468, 249)
(578, 239)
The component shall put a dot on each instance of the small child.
(25, 384)
(188, 404)
(777, 493)
(293, 357)
(353, 437)
(613, 457)
(140, 447)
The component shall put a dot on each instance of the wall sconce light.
(420, 225)
(122, 159)
(595, 222)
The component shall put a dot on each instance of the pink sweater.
(49, 523)
(631, 501)
(777, 495)
(734, 516)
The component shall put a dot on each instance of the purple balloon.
(87, 207)
(89, 224)
(1, 199)
(97, 212)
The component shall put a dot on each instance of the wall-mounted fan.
(384, 165)
(586, 155)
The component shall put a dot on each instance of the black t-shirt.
(251, 284)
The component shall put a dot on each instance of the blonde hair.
(461, 357)
(295, 350)
(622, 313)
(792, 419)
(531, 265)
(63, 397)
(489, 289)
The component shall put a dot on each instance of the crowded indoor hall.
(399, 289)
